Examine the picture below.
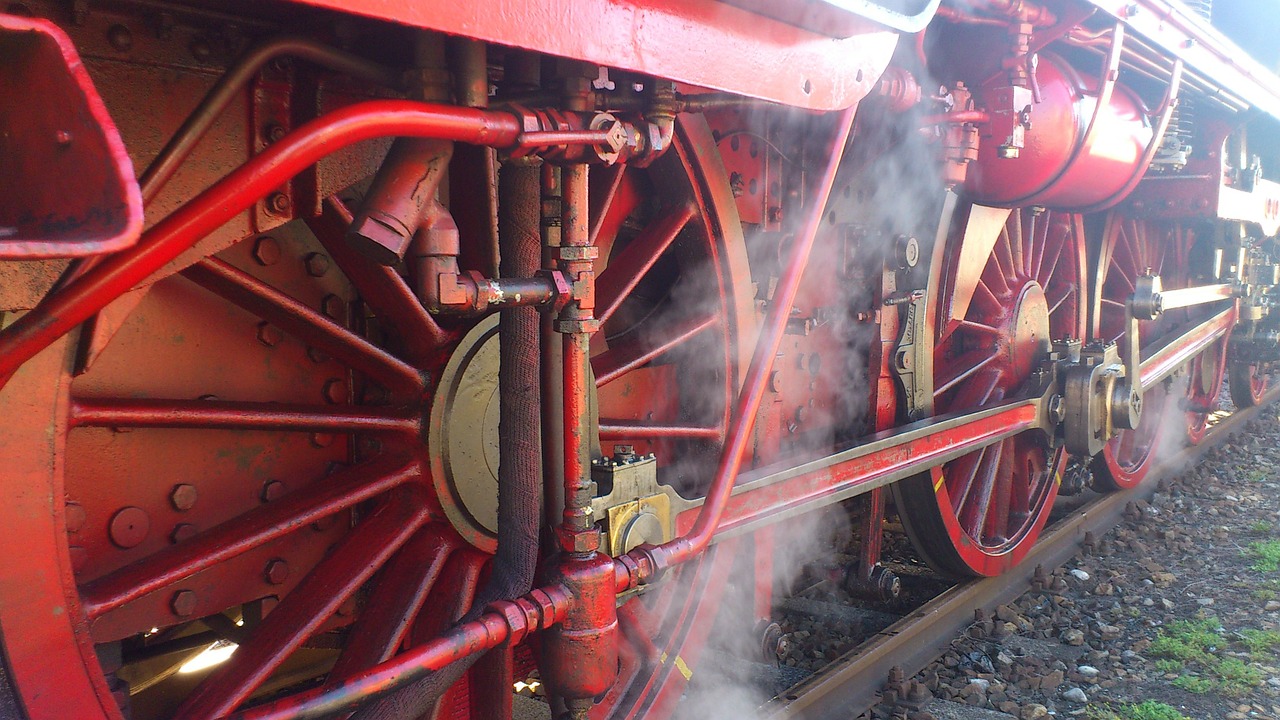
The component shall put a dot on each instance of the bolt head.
(269, 334)
(272, 489)
(182, 532)
(266, 251)
(183, 603)
(276, 572)
(183, 496)
(335, 391)
(317, 264)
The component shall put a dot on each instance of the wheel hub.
(462, 436)
(1027, 338)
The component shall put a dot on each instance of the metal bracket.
(913, 358)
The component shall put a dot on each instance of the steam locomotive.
(364, 359)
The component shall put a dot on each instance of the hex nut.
(183, 496)
(266, 251)
(183, 603)
(317, 264)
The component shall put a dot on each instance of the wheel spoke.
(960, 476)
(628, 266)
(308, 325)
(963, 368)
(973, 513)
(995, 528)
(402, 588)
(1067, 293)
(324, 497)
(451, 597)
(381, 287)
(357, 556)
(609, 208)
(632, 429)
(1017, 241)
(218, 414)
(624, 357)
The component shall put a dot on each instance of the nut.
(183, 496)
(317, 264)
(266, 251)
(183, 603)
(277, 571)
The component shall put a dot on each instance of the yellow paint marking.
(681, 665)
(938, 485)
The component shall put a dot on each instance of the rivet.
(183, 496)
(74, 516)
(182, 532)
(335, 391)
(129, 527)
(271, 490)
(266, 251)
(274, 132)
(183, 603)
(317, 264)
(348, 607)
(63, 137)
(269, 334)
(322, 440)
(277, 571)
(317, 355)
(120, 38)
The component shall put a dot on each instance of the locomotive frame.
(474, 341)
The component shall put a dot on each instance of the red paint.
(71, 190)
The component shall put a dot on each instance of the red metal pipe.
(88, 294)
(502, 622)
(956, 118)
(755, 386)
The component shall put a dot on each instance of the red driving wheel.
(1007, 284)
(253, 461)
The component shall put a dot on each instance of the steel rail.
(851, 685)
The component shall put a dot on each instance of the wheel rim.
(995, 314)
(1129, 247)
(334, 413)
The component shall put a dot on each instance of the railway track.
(852, 684)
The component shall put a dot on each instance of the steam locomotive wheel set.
(373, 359)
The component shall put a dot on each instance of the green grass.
(1260, 640)
(1186, 640)
(1265, 554)
(1193, 642)
(1261, 526)
(1145, 710)
(1195, 684)
(1150, 710)
(1235, 677)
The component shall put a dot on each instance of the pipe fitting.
(401, 199)
(581, 654)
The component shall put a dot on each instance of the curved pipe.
(89, 293)
(233, 82)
